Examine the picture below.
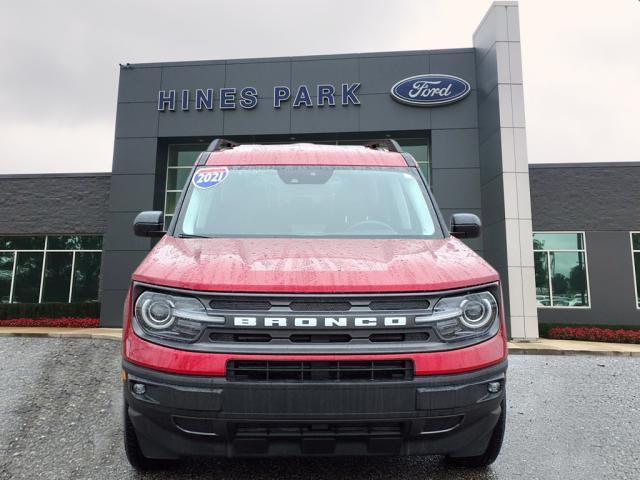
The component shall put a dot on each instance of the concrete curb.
(91, 333)
(539, 347)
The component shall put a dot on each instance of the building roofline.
(538, 166)
(295, 58)
(54, 175)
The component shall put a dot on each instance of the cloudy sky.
(59, 63)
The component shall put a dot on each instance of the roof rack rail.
(220, 143)
(390, 143)
(216, 145)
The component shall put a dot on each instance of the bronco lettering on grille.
(320, 322)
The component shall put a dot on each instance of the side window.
(635, 251)
(561, 270)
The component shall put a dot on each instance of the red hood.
(289, 265)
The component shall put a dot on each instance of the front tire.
(134, 452)
(493, 448)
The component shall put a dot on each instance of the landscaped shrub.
(74, 322)
(544, 328)
(33, 311)
(594, 334)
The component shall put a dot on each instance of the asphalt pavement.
(569, 417)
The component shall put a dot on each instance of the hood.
(319, 265)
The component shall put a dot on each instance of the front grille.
(240, 304)
(317, 303)
(319, 430)
(324, 337)
(319, 371)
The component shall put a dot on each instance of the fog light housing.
(138, 388)
(494, 387)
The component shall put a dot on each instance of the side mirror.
(465, 225)
(148, 224)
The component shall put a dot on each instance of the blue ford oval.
(430, 90)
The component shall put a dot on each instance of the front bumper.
(181, 415)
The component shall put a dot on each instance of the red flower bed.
(595, 334)
(51, 322)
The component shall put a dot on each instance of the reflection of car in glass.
(578, 300)
(310, 300)
(561, 301)
(543, 300)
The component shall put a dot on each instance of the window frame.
(586, 268)
(633, 266)
(44, 252)
(168, 217)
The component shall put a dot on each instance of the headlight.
(458, 318)
(172, 316)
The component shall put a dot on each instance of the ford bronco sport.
(310, 300)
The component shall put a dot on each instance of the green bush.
(10, 311)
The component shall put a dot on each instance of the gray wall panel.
(137, 120)
(112, 307)
(461, 65)
(456, 187)
(334, 71)
(131, 193)
(462, 114)
(264, 119)
(120, 233)
(139, 84)
(379, 74)
(380, 112)
(121, 263)
(201, 76)
(135, 155)
(193, 122)
(455, 148)
(325, 119)
(263, 76)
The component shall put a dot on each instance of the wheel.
(493, 448)
(134, 452)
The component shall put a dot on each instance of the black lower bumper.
(180, 416)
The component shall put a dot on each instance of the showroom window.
(52, 268)
(180, 162)
(181, 159)
(635, 249)
(561, 270)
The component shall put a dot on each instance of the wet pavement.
(569, 417)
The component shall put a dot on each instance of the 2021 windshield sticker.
(210, 177)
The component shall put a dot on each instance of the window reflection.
(41, 268)
(86, 277)
(57, 277)
(26, 284)
(560, 270)
(6, 273)
(635, 247)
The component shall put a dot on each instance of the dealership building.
(562, 236)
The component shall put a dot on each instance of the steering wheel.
(381, 226)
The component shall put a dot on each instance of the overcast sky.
(59, 63)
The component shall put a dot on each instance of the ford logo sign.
(430, 90)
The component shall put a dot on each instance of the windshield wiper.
(188, 235)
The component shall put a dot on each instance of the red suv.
(310, 300)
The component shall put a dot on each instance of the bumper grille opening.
(319, 371)
(315, 430)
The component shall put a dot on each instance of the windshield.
(301, 201)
